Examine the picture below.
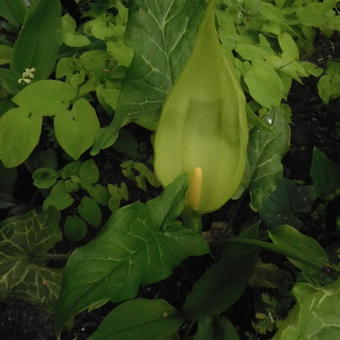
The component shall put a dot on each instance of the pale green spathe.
(203, 122)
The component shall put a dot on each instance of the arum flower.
(203, 126)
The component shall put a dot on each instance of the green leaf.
(315, 316)
(44, 178)
(5, 54)
(131, 250)
(223, 283)
(120, 52)
(70, 37)
(70, 170)
(40, 38)
(139, 319)
(162, 35)
(19, 135)
(264, 84)
(22, 240)
(75, 228)
(216, 329)
(291, 240)
(89, 173)
(45, 97)
(265, 149)
(13, 10)
(89, 211)
(329, 83)
(75, 130)
(325, 175)
(99, 193)
(9, 80)
(59, 197)
(287, 200)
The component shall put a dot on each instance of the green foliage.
(158, 35)
(329, 83)
(117, 65)
(140, 244)
(268, 142)
(286, 202)
(41, 32)
(294, 242)
(24, 242)
(315, 316)
(19, 135)
(140, 319)
(216, 328)
(325, 175)
(13, 10)
(75, 130)
(224, 282)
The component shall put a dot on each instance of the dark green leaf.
(130, 251)
(291, 240)
(9, 80)
(89, 211)
(325, 175)
(139, 319)
(287, 200)
(39, 40)
(44, 178)
(223, 283)
(22, 240)
(75, 228)
(89, 172)
(13, 10)
(162, 34)
(216, 329)
(267, 145)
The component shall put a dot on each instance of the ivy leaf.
(39, 40)
(75, 130)
(139, 319)
(287, 200)
(162, 34)
(315, 316)
(266, 147)
(19, 135)
(22, 274)
(45, 97)
(131, 250)
(329, 83)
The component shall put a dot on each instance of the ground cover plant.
(169, 169)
